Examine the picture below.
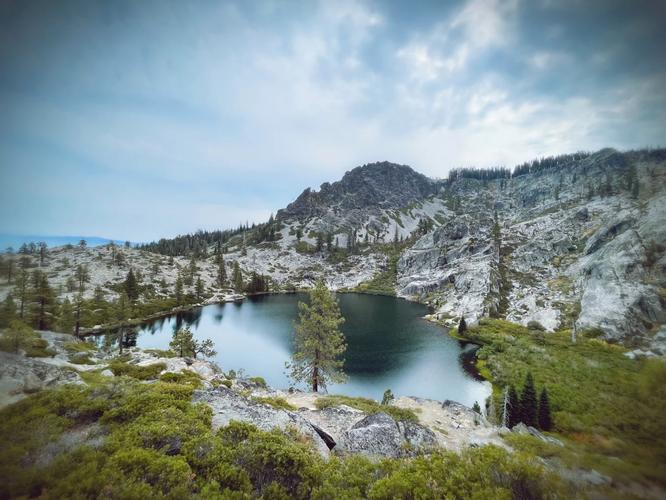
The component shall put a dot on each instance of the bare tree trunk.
(315, 373)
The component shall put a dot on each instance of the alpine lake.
(389, 345)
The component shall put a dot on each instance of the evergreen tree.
(178, 291)
(319, 343)
(388, 397)
(82, 276)
(221, 272)
(545, 421)
(513, 408)
(22, 292)
(528, 402)
(131, 286)
(204, 347)
(476, 407)
(462, 326)
(182, 343)
(199, 288)
(66, 319)
(238, 277)
(18, 336)
(320, 242)
(7, 311)
(43, 301)
(83, 244)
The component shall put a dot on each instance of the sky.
(145, 119)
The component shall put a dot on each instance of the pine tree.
(319, 343)
(7, 311)
(238, 277)
(204, 347)
(182, 343)
(221, 272)
(476, 407)
(22, 292)
(462, 326)
(545, 421)
(388, 397)
(66, 318)
(43, 301)
(82, 276)
(178, 291)
(528, 402)
(131, 286)
(199, 288)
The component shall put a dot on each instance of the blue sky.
(140, 119)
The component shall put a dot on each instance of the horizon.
(146, 120)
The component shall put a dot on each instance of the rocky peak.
(377, 185)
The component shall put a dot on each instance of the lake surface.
(389, 345)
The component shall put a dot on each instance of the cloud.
(212, 111)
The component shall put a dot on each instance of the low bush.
(186, 377)
(148, 372)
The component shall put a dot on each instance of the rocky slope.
(575, 241)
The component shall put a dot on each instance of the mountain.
(375, 186)
(570, 241)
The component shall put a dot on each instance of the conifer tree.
(43, 301)
(66, 318)
(528, 402)
(221, 272)
(238, 277)
(544, 420)
(182, 343)
(22, 292)
(199, 288)
(178, 291)
(388, 397)
(131, 286)
(462, 326)
(7, 311)
(319, 343)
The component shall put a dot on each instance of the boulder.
(228, 405)
(379, 435)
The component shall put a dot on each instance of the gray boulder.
(379, 435)
(228, 405)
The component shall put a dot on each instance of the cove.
(389, 345)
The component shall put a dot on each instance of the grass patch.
(74, 347)
(275, 402)
(368, 406)
(161, 353)
(609, 406)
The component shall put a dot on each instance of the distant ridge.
(16, 240)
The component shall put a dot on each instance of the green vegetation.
(605, 405)
(154, 443)
(318, 343)
(369, 406)
(260, 381)
(19, 336)
(186, 377)
(184, 344)
(275, 402)
(149, 372)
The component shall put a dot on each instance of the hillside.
(573, 240)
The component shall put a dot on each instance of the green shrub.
(260, 381)
(147, 372)
(186, 377)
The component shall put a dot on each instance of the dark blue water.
(389, 345)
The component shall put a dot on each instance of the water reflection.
(389, 345)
